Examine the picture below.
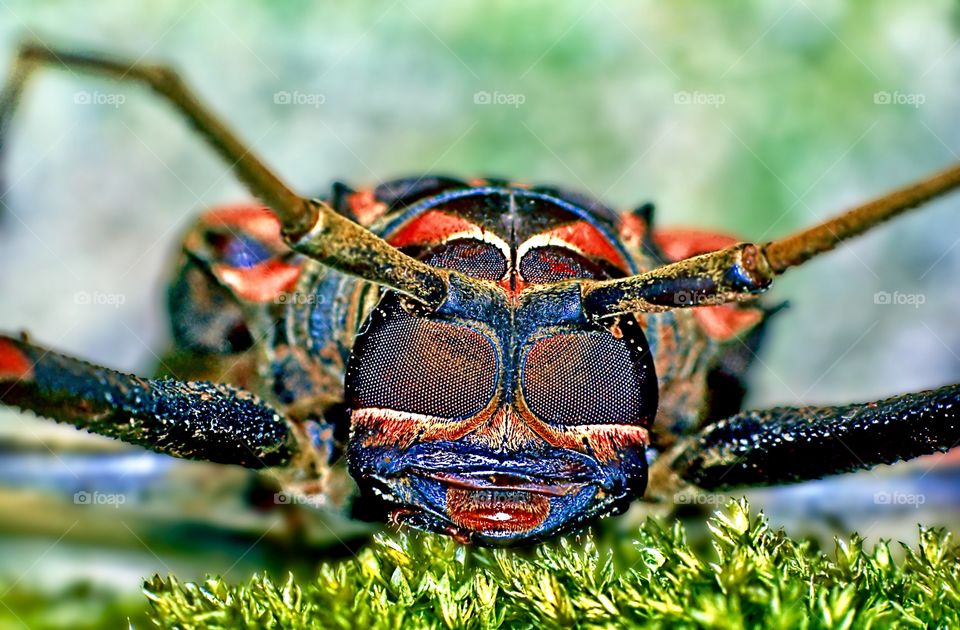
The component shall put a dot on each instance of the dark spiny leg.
(788, 444)
(744, 270)
(188, 419)
(309, 226)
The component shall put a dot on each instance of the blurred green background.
(750, 117)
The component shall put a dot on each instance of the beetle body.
(507, 413)
(479, 358)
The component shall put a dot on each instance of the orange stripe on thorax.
(263, 282)
(584, 237)
(14, 364)
(428, 228)
(681, 243)
(257, 221)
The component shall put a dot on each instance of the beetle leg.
(309, 226)
(742, 271)
(790, 444)
(188, 419)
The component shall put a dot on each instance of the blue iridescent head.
(506, 415)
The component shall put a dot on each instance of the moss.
(79, 607)
(753, 577)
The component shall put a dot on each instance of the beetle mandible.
(484, 359)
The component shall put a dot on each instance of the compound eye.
(549, 264)
(591, 377)
(422, 366)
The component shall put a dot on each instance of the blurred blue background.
(755, 118)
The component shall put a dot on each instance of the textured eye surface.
(421, 366)
(549, 264)
(590, 377)
(472, 257)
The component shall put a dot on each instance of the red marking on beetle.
(513, 284)
(604, 441)
(589, 240)
(681, 243)
(263, 282)
(563, 267)
(388, 427)
(257, 221)
(365, 206)
(633, 229)
(14, 364)
(496, 511)
(502, 482)
(727, 321)
(430, 227)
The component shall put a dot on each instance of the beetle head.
(499, 421)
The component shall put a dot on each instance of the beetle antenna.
(804, 245)
(310, 226)
(742, 271)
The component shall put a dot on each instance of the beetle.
(489, 360)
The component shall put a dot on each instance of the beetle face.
(499, 422)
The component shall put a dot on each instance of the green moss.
(749, 576)
(753, 577)
(79, 607)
